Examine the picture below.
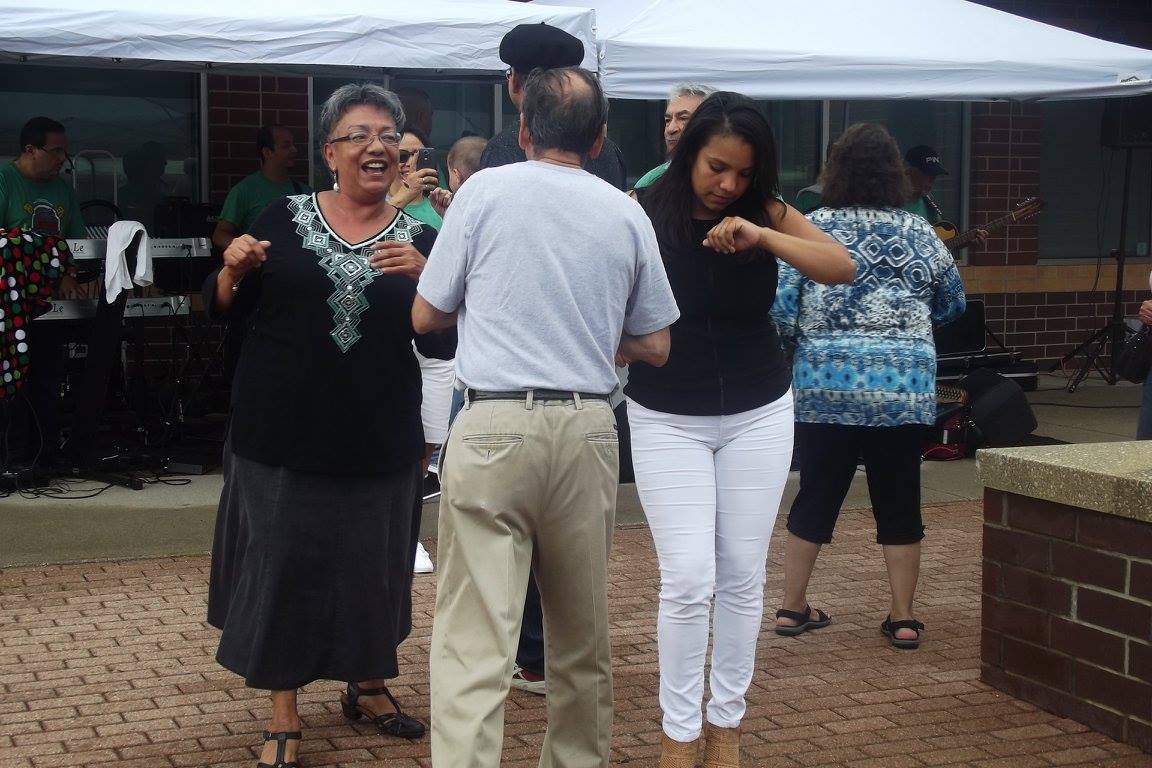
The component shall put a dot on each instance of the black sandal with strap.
(281, 738)
(389, 723)
(889, 628)
(804, 621)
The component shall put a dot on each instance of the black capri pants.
(828, 455)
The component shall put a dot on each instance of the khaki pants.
(524, 484)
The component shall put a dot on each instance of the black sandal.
(889, 628)
(390, 723)
(804, 621)
(281, 738)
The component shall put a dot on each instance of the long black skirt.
(312, 574)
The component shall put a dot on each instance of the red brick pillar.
(237, 106)
(1005, 169)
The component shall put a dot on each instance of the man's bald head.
(564, 109)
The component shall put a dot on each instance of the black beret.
(529, 46)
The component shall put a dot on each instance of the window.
(938, 124)
(638, 128)
(796, 125)
(1082, 182)
(459, 108)
(133, 135)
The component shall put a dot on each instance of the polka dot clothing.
(31, 266)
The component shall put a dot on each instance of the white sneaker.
(423, 560)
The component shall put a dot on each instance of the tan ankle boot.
(721, 747)
(678, 754)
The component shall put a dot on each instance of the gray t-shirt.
(547, 266)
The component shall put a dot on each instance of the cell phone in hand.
(426, 158)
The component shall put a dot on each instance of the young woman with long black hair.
(712, 429)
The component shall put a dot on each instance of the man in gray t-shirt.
(551, 274)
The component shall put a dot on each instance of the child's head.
(464, 159)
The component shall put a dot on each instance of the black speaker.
(964, 335)
(1000, 410)
(1127, 122)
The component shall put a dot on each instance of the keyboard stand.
(106, 331)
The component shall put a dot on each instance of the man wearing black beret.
(527, 47)
(524, 48)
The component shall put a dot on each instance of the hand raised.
(245, 253)
(440, 199)
(732, 235)
(424, 179)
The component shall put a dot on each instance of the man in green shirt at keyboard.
(32, 194)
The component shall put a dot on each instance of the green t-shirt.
(808, 199)
(920, 207)
(424, 212)
(45, 206)
(651, 176)
(248, 199)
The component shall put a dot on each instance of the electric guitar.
(956, 241)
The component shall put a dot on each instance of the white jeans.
(711, 487)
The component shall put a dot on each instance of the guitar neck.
(995, 225)
(968, 237)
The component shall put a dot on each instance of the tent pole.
(497, 108)
(825, 132)
(965, 167)
(202, 165)
(311, 130)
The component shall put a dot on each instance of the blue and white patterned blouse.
(864, 353)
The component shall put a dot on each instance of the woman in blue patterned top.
(864, 373)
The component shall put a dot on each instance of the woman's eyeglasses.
(364, 138)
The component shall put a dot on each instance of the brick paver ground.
(110, 664)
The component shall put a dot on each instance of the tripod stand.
(1114, 331)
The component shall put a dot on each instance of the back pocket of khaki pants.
(606, 446)
(492, 445)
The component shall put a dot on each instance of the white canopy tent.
(426, 35)
(847, 49)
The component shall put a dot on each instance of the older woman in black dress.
(312, 560)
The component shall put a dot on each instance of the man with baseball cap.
(923, 168)
(525, 48)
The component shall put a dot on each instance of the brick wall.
(1005, 170)
(1067, 612)
(1043, 326)
(237, 106)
